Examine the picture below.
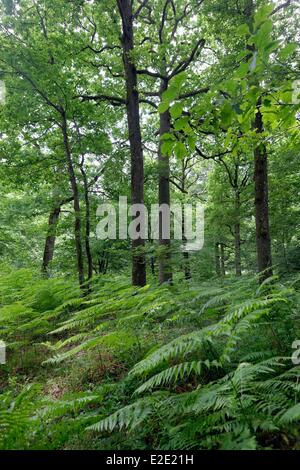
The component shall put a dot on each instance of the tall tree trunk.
(217, 259)
(263, 239)
(284, 251)
(186, 261)
(222, 259)
(237, 236)
(76, 203)
(87, 224)
(50, 239)
(164, 262)
(135, 138)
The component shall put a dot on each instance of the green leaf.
(227, 114)
(242, 71)
(192, 142)
(182, 124)
(262, 15)
(243, 30)
(287, 50)
(262, 38)
(170, 94)
(167, 147)
(176, 110)
(167, 136)
(178, 80)
(163, 106)
(230, 86)
(180, 150)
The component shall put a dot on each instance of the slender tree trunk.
(102, 262)
(284, 251)
(217, 259)
(263, 239)
(135, 138)
(237, 249)
(50, 239)
(87, 224)
(186, 261)
(152, 265)
(222, 259)
(237, 236)
(76, 203)
(164, 262)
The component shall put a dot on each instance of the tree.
(135, 137)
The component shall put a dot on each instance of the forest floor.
(188, 366)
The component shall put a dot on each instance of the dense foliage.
(144, 344)
(182, 366)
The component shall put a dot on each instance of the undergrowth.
(187, 366)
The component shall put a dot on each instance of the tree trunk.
(50, 239)
(263, 239)
(76, 203)
(186, 265)
(237, 236)
(87, 224)
(103, 262)
(135, 138)
(164, 261)
(222, 259)
(217, 259)
(152, 265)
(186, 261)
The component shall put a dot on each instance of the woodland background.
(143, 345)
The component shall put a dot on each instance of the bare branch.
(58, 108)
(144, 100)
(183, 65)
(177, 186)
(281, 7)
(104, 48)
(139, 9)
(114, 100)
(194, 93)
(163, 20)
(151, 74)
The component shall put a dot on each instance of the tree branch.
(177, 186)
(194, 93)
(99, 51)
(139, 9)
(151, 74)
(183, 65)
(114, 100)
(281, 7)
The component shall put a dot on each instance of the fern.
(254, 396)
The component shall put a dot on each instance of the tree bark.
(50, 240)
(164, 262)
(263, 239)
(102, 262)
(76, 202)
(222, 259)
(135, 138)
(87, 224)
(217, 259)
(186, 261)
(237, 236)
